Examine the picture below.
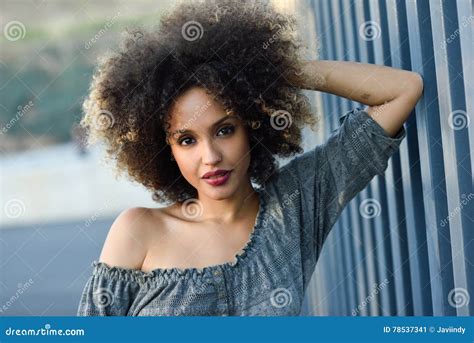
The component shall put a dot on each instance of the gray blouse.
(268, 277)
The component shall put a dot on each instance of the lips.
(215, 174)
(218, 180)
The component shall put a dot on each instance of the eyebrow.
(213, 125)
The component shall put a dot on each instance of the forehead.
(195, 108)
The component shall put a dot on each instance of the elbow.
(416, 85)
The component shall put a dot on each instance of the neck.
(231, 209)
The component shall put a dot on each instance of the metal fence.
(414, 255)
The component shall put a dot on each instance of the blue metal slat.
(350, 53)
(431, 158)
(370, 252)
(377, 186)
(411, 244)
(350, 303)
(411, 175)
(466, 37)
(396, 218)
(322, 42)
(446, 75)
(384, 252)
(457, 157)
(397, 228)
(332, 111)
(338, 23)
(372, 11)
(357, 241)
(366, 48)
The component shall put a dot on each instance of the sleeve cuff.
(366, 133)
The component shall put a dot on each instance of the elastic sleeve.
(357, 151)
(107, 296)
(331, 174)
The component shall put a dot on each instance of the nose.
(210, 153)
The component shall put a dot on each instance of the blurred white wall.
(57, 184)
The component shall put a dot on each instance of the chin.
(219, 193)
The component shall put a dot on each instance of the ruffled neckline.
(175, 273)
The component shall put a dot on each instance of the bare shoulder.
(126, 242)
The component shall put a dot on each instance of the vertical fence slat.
(422, 243)
(457, 158)
(411, 174)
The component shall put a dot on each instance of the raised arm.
(389, 93)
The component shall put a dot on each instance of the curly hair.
(238, 51)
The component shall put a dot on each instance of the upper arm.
(391, 115)
(125, 243)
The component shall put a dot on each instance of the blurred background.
(403, 246)
(58, 199)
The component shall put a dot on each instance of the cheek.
(241, 153)
(187, 165)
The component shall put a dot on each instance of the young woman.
(197, 111)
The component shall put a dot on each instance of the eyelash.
(231, 127)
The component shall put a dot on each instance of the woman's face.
(210, 139)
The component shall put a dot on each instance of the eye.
(182, 140)
(229, 129)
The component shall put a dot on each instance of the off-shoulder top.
(268, 277)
